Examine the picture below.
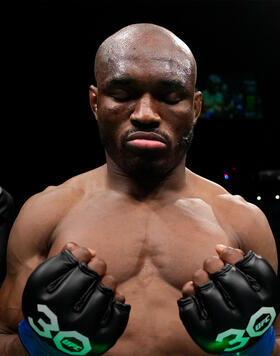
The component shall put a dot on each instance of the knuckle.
(101, 263)
(109, 281)
(232, 255)
(188, 289)
(82, 254)
(84, 250)
(213, 264)
(71, 246)
(209, 261)
(120, 297)
(98, 265)
(230, 252)
(199, 275)
(110, 278)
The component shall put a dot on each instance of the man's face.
(146, 112)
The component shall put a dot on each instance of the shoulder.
(55, 201)
(49, 205)
(240, 218)
(39, 216)
(232, 208)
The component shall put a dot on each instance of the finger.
(220, 248)
(230, 255)
(200, 277)
(119, 297)
(93, 252)
(72, 246)
(110, 282)
(188, 289)
(98, 265)
(82, 254)
(213, 264)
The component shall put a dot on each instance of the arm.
(27, 248)
(249, 286)
(9, 318)
(252, 232)
(61, 287)
(259, 238)
(10, 309)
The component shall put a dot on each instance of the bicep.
(258, 237)
(21, 262)
(26, 246)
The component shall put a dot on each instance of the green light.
(100, 348)
(214, 346)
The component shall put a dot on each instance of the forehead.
(147, 68)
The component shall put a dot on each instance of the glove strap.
(263, 347)
(33, 344)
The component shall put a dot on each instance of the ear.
(197, 105)
(93, 95)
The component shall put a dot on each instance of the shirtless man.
(152, 229)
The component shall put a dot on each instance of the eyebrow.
(121, 82)
(164, 83)
(172, 83)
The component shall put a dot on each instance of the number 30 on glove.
(69, 311)
(234, 309)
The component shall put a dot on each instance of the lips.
(142, 135)
(142, 139)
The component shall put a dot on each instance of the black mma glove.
(234, 309)
(68, 310)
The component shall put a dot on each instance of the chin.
(147, 166)
(146, 169)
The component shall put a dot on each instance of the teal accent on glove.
(263, 347)
(33, 344)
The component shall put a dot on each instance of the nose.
(145, 112)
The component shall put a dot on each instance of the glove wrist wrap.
(263, 347)
(33, 344)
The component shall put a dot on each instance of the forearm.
(10, 345)
(276, 350)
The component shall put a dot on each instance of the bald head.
(144, 42)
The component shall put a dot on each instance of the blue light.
(226, 176)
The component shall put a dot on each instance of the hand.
(72, 305)
(230, 302)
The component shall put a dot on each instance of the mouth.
(146, 140)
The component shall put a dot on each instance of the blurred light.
(259, 197)
(277, 196)
(226, 176)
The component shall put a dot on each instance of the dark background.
(48, 133)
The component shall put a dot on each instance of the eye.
(172, 98)
(172, 101)
(120, 95)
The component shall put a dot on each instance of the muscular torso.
(152, 248)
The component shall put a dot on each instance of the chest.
(168, 241)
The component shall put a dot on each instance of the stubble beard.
(147, 167)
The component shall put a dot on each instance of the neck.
(150, 188)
